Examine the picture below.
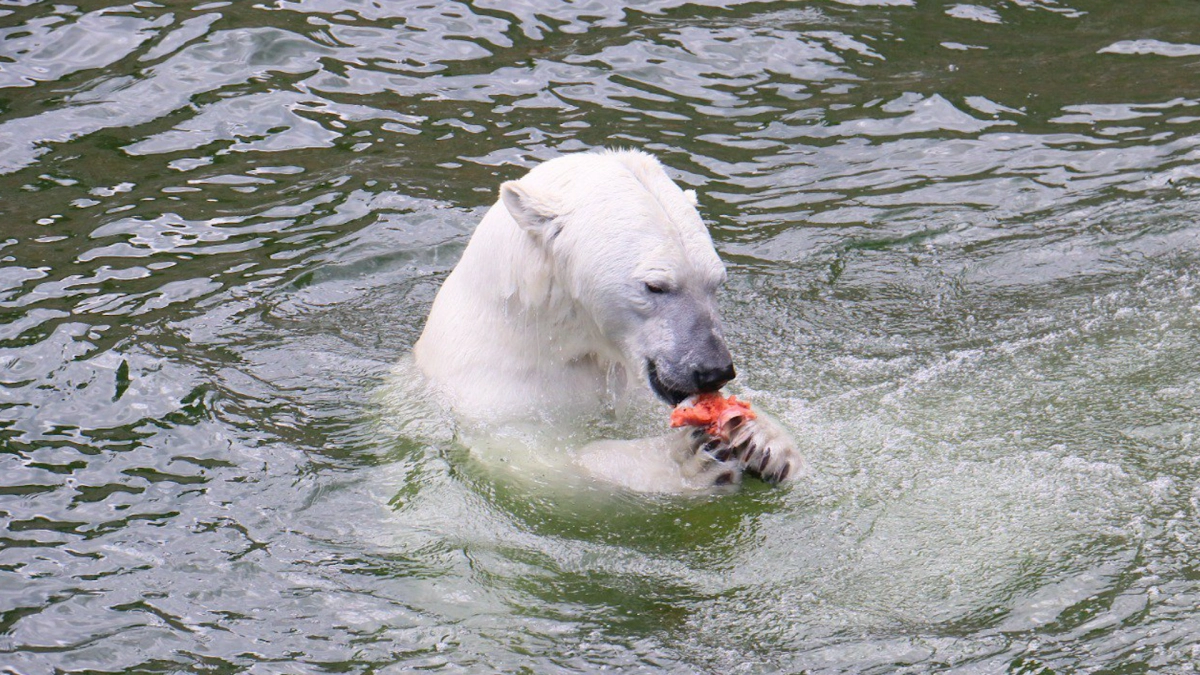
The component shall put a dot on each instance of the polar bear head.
(623, 254)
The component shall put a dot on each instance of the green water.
(962, 242)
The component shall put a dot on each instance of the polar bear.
(590, 286)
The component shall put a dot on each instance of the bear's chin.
(672, 396)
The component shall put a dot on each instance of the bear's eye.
(656, 289)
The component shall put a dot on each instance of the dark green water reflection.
(962, 245)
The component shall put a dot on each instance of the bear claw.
(758, 447)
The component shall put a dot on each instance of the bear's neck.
(504, 337)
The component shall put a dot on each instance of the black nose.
(712, 379)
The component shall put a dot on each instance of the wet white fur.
(544, 318)
(518, 328)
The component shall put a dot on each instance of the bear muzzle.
(701, 379)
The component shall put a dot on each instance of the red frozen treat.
(713, 412)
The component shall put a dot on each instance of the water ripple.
(961, 243)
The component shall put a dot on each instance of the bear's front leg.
(672, 463)
(763, 448)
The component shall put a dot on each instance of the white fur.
(546, 317)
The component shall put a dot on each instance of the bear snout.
(713, 378)
(687, 382)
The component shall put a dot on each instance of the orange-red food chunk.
(713, 412)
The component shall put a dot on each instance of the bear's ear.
(534, 215)
(690, 195)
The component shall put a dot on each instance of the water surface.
(962, 246)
